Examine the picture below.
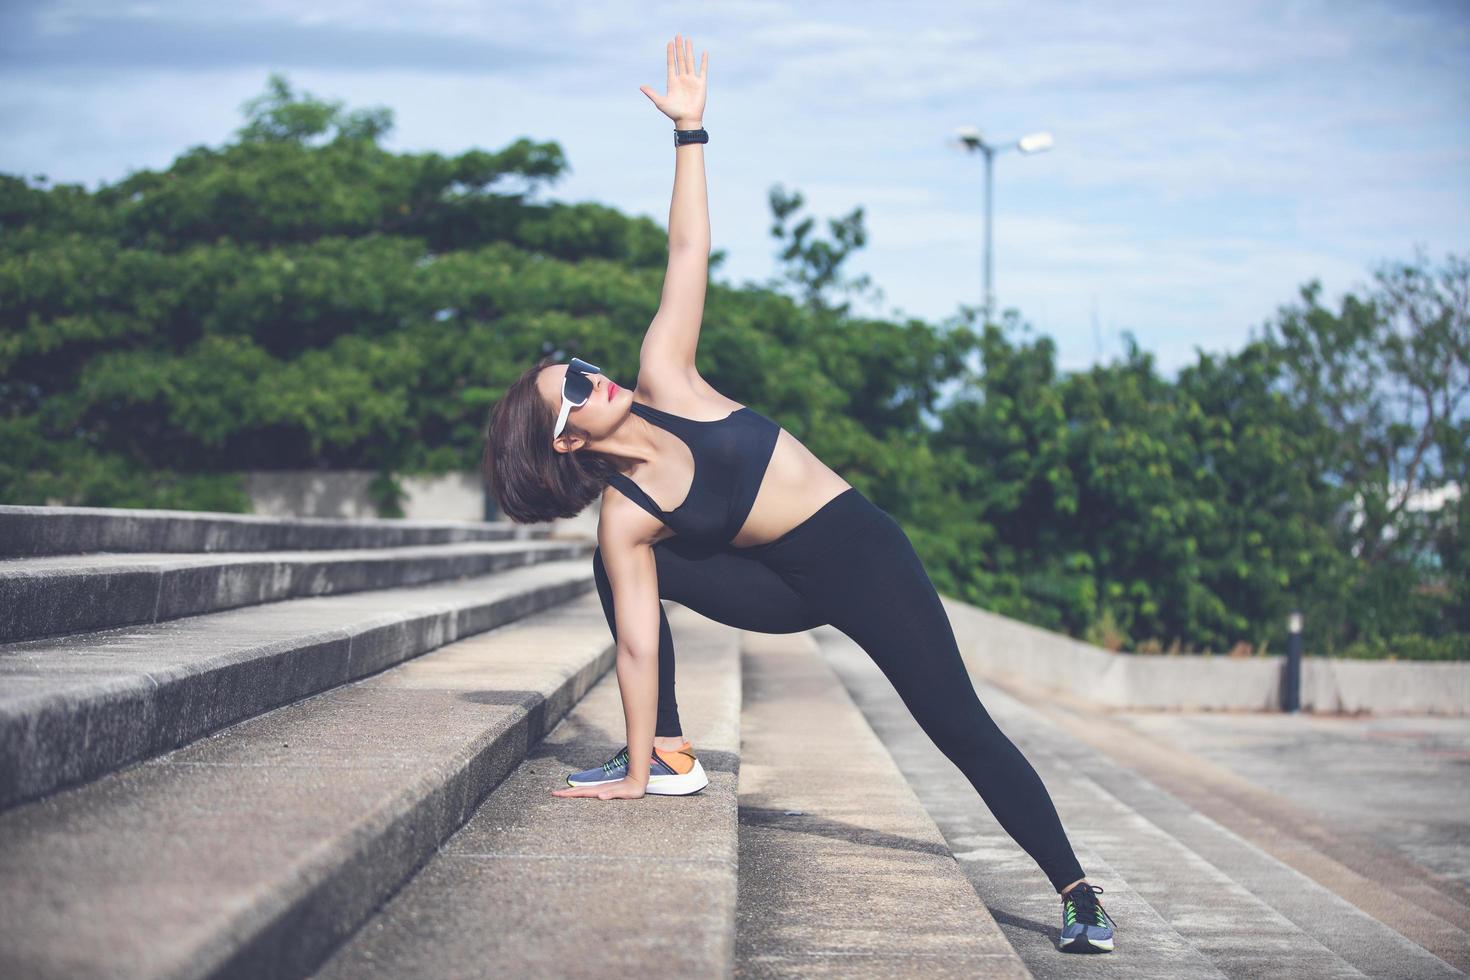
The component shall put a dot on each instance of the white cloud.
(1208, 160)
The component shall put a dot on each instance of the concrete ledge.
(30, 531)
(74, 708)
(1386, 686)
(255, 852)
(997, 646)
(537, 886)
(70, 594)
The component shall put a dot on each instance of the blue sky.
(1208, 159)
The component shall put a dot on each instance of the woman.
(759, 534)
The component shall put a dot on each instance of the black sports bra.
(730, 459)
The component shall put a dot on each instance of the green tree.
(1388, 375)
(300, 297)
(814, 266)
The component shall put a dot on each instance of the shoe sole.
(1081, 944)
(686, 785)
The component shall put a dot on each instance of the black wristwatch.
(682, 136)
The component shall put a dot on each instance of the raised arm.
(669, 344)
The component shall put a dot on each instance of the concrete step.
(1004, 876)
(73, 708)
(63, 594)
(30, 531)
(842, 872)
(257, 850)
(1349, 899)
(1190, 898)
(538, 886)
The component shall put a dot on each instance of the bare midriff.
(796, 485)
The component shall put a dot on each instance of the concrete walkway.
(356, 784)
(535, 885)
(1405, 902)
(1200, 881)
(842, 872)
(256, 850)
(1402, 781)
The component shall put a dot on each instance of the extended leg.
(874, 588)
(729, 588)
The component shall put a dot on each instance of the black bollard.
(1291, 686)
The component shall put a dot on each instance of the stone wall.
(344, 493)
(996, 645)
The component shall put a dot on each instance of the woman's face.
(597, 416)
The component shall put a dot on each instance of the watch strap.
(683, 136)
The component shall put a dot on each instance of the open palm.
(684, 101)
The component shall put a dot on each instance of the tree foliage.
(301, 297)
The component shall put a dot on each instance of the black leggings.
(852, 566)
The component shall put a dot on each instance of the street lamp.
(971, 139)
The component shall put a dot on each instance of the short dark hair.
(531, 481)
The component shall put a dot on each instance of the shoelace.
(620, 759)
(1081, 905)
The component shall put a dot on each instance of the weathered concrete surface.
(75, 707)
(254, 852)
(349, 493)
(842, 873)
(537, 886)
(1333, 684)
(1402, 781)
(69, 594)
(29, 531)
(1370, 809)
(1191, 897)
(1000, 647)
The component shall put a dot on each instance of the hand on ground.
(620, 790)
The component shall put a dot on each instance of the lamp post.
(972, 140)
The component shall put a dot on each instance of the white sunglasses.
(576, 388)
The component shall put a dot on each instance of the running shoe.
(1086, 925)
(670, 772)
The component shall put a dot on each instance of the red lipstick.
(612, 389)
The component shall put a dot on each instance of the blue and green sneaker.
(1086, 925)
(670, 773)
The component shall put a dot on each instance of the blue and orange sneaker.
(1086, 925)
(670, 773)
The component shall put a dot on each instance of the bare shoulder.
(621, 523)
(682, 391)
(663, 383)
